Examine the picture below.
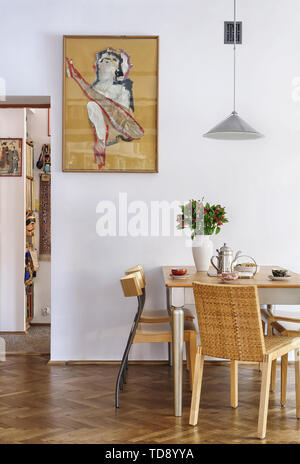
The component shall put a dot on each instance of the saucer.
(180, 277)
(287, 277)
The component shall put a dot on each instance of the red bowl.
(179, 272)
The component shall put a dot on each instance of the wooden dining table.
(179, 293)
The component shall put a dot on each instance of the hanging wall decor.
(45, 219)
(110, 104)
(10, 157)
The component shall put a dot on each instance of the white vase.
(202, 248)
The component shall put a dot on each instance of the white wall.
(37, 131)
(12, 232)
(258, 180)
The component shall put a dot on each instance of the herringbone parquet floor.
(75, 404)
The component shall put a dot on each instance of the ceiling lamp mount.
(233, 127)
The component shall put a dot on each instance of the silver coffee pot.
(224, 259)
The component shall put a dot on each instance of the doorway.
(35, 208)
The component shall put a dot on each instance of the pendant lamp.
(233, 127)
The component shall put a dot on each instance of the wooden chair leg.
(234, 395)
(284, 367)
(270, 330)
(297, 378)
(187, 355)
(264, 397)
(192, 355)
(273, 376)
(194, 411)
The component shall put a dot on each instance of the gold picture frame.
(110, 103)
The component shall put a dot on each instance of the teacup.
(279, 272)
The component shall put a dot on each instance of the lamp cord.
(234, 57)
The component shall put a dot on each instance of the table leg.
(177, 335)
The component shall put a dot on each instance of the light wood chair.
(157, 316)
(230, 327)
(281, 325)
(147, 332)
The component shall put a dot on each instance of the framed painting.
(10, 157)
(110, 104)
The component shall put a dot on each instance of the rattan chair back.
(229, 321)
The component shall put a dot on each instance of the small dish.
(229, 276)
(178, 271)
(286, 277)
(179, 277)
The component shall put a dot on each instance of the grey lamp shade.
(233, 128)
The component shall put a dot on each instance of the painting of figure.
(110, 120)
(10, 157)
(110, 107)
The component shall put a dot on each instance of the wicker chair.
(230, 327)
